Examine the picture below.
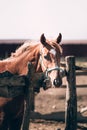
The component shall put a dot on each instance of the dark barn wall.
(77, 48)
(9, 46)
(7, 49)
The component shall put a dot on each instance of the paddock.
(50, 114)
(55, 101)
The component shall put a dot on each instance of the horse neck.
(18, 65)
(7, 65)
(2, 66)
(32, 56)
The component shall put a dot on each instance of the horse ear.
(43, 39)
(59, 38)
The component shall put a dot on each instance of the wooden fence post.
(26, 120)
(71, 96)
(32, 81)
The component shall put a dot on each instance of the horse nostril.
(57, 82)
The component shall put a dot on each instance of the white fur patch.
(52, 51)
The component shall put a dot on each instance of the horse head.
(45, 56)
(50, 54)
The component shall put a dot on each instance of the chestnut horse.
(45, 57)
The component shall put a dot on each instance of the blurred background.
(28, 19)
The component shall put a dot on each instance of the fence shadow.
(81, 127)
(57, 116)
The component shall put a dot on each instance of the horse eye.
(46, 57)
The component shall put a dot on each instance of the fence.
(71, 95)
(13, 85)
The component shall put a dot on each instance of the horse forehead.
(53, 51)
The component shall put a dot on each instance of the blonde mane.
(30, 44)
(23, 48)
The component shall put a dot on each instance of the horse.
(45, 56)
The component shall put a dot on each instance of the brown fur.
(11, 109)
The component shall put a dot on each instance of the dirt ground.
(50, 110)
(50, 107)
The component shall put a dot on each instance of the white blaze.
(52, 51)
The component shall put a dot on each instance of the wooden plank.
(71, 96)
(11, 85)
(34, 80)
(11, 92)
(80, 73)
(9, 79)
